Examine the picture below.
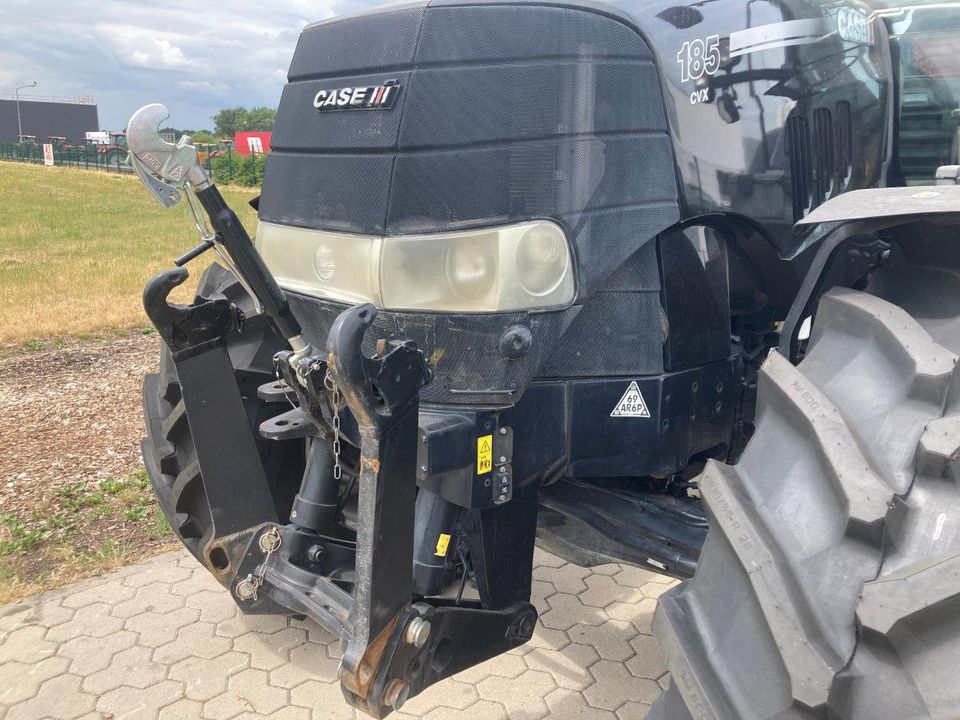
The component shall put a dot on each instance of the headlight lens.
(332, 265)
(527, 266)
(542, 259)
(471, 269)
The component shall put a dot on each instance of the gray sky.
(195, 57)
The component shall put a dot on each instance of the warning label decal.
(631, 404)
(484, 454)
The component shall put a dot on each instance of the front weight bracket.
(229, 462)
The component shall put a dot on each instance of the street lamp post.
(17, 95)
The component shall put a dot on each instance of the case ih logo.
(374, 97)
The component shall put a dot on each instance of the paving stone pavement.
(161, 639)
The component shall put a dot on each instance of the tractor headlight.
(542, 259)
(337, 266)
(527, 266)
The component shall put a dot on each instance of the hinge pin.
(418, 631)
(396, 694)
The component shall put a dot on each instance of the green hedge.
(239, 169)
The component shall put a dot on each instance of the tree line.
(230, 168)
(228, 122)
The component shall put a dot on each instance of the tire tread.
(826, 605)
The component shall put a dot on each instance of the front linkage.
(395, 642)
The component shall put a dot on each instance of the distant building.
(44, 117)
(252, 143)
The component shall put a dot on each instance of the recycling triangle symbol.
(631, 404)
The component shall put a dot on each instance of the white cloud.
(141, 47)
(195, 58)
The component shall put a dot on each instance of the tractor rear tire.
(168, 449)
(829, 583)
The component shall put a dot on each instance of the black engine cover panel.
(505, 113)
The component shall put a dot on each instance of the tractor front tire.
(829, 583)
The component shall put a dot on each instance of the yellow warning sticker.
(484, 454)
(443, 542)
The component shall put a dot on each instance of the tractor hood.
(415, 122)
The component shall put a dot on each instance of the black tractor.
(669, 285)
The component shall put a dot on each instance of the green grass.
(88, 528)
(77, 247)
(16, 536)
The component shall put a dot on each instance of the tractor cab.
(924, 44)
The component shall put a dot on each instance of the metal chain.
(331, 385)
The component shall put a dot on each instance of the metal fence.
(96, 157)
